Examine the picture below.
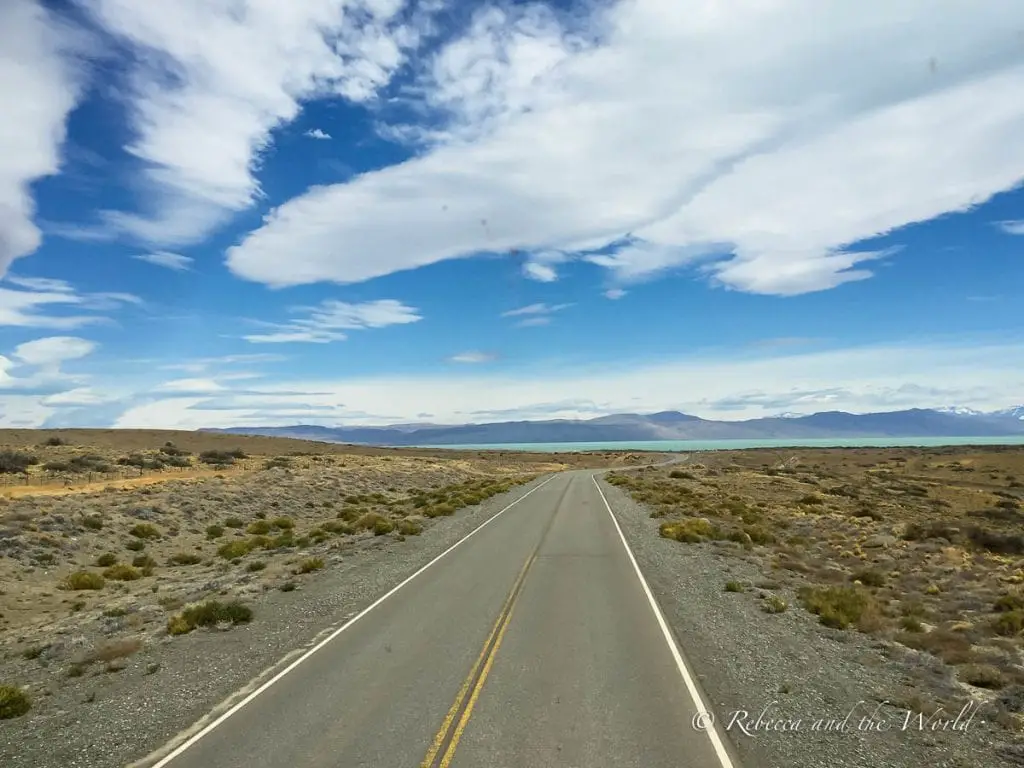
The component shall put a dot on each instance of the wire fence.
(43, 478)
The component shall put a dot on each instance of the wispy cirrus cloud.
(1012, 227)
(535, 314)
(329, 321)
(23, 306)
(167, 259)
(473, 357)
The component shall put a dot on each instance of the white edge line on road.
(684, 671)
(196, 737)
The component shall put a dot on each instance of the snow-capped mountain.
(1013, 412)
(960, 410)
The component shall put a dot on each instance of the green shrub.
(837, 607)
(692, 531)
(774, 604)
(440, 510)
(209, 614)
(258, 528)
(288, 586)
(408, 527)
(144, 562)
(1009, 623)
(106, 560)
(122, 573)
(233, 549)
(214, 531)
(255, 565)
(1009, 602)
(383, 526)
(93, 522)
(282, 523)
(16, 462)
(278, 462)
(309, 565)
(80, 580)
(14, 702)
(981, 676)
(733, 586)
(233, 522)
(145, 531)
(185, 558)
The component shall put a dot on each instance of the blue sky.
(374, 211)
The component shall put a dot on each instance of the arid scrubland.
(922, 549)
(112, 542)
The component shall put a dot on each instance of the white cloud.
(978, 373)
(830, 128)
(535, 314)
(191, 386)
(21, 307)
(326, 322)
(78, 397)
(317, 133)
(203, 106)
(1012, 227)
(50, 352)
(166, 259)
(472, 357)
(614, 293)
(543, 273)
(38, 88)
(535, 309)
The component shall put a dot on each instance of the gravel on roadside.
(790, 668)
(116, 717)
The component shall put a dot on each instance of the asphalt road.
(532, 643)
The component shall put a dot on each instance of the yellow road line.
(450, 752)
(486, 658)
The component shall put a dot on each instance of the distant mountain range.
(670, 425)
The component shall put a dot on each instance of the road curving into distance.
(532, 642)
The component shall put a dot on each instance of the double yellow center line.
(442, 750)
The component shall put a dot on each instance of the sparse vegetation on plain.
(101, 558)
(920, 548)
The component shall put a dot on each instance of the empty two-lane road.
(534, 642)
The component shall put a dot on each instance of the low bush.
(16, 462)
(408, 527)
(691, 531)
(837, 607)
(14, 702)
(214, 531)
(209, 614)
(234, 549)
(309, 565)
(81, 580)
(145, 531)
(106, 560)
(122, 572)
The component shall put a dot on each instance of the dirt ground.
(922, 549)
